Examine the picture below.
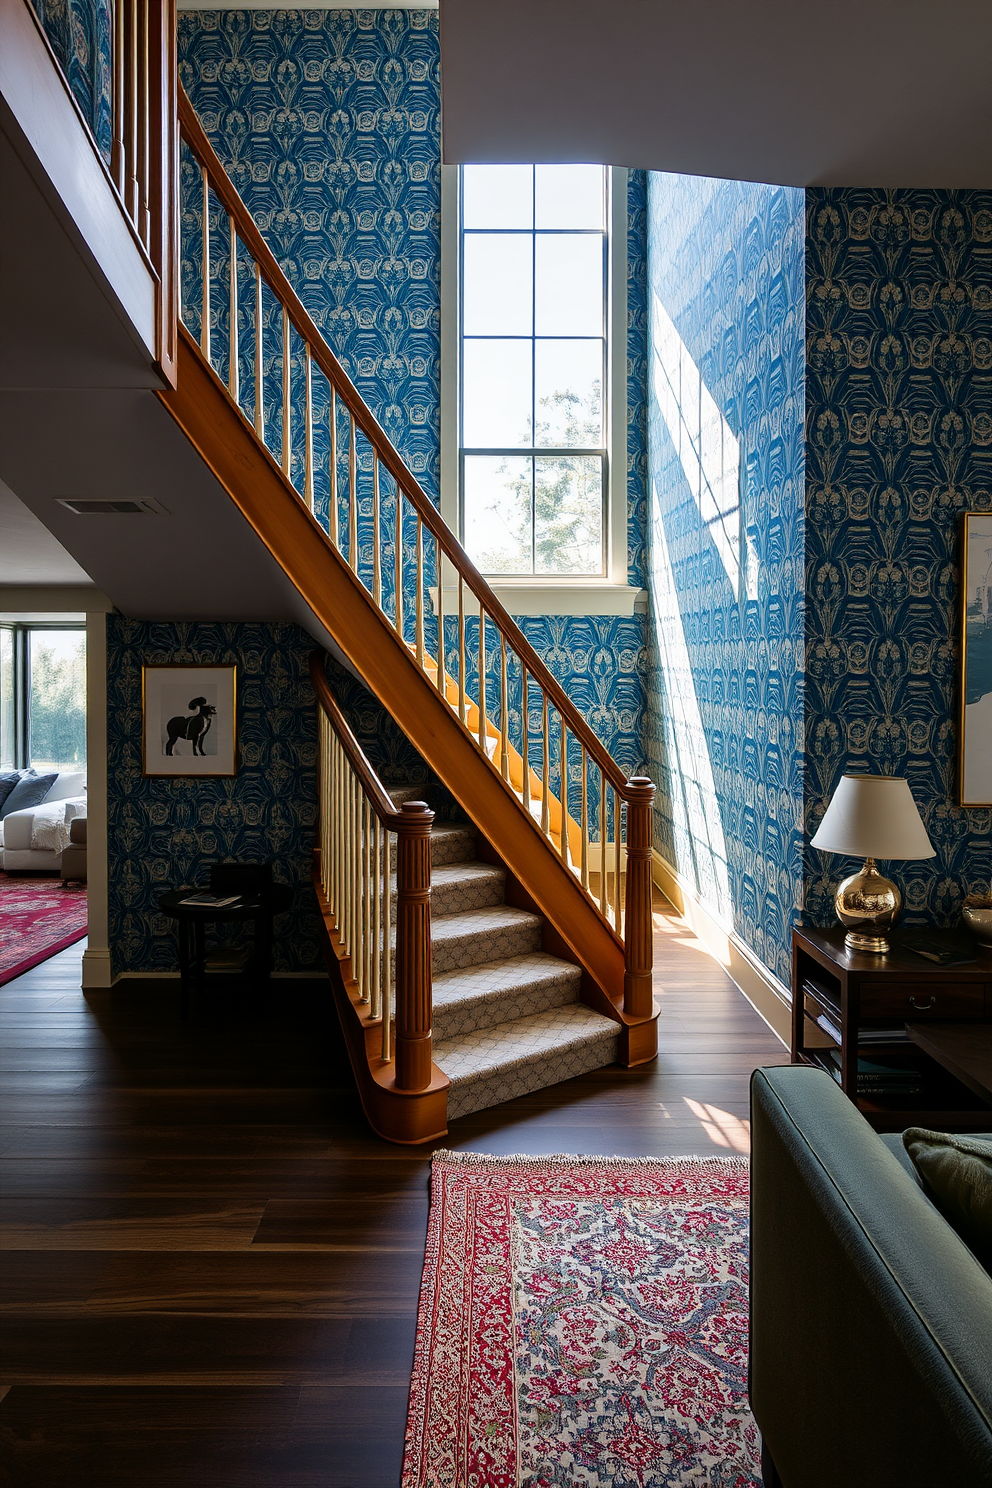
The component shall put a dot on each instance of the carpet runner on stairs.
(508, 1018)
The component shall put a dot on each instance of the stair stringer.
(215, 426)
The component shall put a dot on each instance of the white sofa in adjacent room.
(35, 837)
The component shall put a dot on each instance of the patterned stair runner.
(507, 1016)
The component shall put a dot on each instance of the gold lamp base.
(868, 907)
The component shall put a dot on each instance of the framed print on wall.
(975, 751)
(189, 720)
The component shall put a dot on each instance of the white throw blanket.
(50, 828)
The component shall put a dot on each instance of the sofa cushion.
(957, 1174)
(30, 790)
(8, 779)
(69, 783)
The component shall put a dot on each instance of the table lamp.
(871, 816)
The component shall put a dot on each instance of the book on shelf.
(829, 1027)
(877, 1077)
(827, 998)
(867, 1037)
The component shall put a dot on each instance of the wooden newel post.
(638, 996)
(414, 991)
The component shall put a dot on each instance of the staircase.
(508, 1017)
(463, 973)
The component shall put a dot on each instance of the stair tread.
(480, 921)
(449, 873)
(492, 977)
(472, 1055)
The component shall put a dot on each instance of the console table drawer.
(916, 1000)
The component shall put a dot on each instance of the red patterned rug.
(37, 918)
(583, 1323)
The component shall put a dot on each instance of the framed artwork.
(976, 661)
(189, 720)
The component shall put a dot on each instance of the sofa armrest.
(17, 828)
(871, 1321)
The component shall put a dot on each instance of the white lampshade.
(873, 816)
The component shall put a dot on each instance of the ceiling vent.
(84, 507)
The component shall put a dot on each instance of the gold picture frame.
(189, 720)
(975, 713)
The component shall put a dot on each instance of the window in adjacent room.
(534, 419)
(43, 697)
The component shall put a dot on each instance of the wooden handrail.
(222, 186)
(375, 792)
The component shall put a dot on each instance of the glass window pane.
(570, 285)
(569, 391)
(568, 514)
(498, 196)
(497, 289)
(570, 196)
(7, 699)
(496, 394)
(58, 699)
(498, 512)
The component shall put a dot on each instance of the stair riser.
(537, 1072)
(446, 847)
(459, 898)
(452, 953)
(490, 1009)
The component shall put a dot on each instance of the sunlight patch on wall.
(704, 441)
(698, 826)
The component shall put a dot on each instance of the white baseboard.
(97, 970)
(769, 997)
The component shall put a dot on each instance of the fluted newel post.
(638, 997)
(414, 992)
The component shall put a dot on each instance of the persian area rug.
(583, 1324)
(38, 917)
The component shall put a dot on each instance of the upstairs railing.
(134, 41)
(261, 343)
(361, 836)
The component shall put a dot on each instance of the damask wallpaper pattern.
(328, 122)
(80, 35)
(898, 445)
(163, 833)
(724, 732)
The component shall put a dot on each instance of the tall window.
(534, 339)
(43, 697)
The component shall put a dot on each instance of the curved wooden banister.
(222, 186)
(375, 792)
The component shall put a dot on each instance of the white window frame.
(546, 594)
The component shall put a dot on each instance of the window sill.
(566, 597)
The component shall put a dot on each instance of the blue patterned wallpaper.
(162, 833)
(80, 36)
(328, 124)
(898, 445)
(724, 730)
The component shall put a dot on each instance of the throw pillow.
(30, 790)
(8, 779)
(957, 1173)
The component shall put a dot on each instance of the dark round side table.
(193, 919)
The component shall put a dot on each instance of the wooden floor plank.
(211, 1266)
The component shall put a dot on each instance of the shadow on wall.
(726, 492)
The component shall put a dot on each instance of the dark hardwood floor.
(211, 1267)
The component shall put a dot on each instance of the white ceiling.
(840, 92)
(29, 554)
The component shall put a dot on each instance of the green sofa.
(871, 1321)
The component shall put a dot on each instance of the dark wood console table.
(843, 1000)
